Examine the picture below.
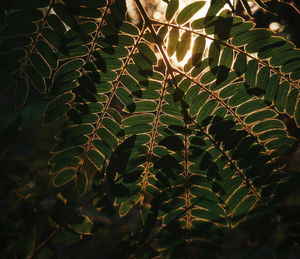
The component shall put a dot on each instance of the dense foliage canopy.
(187, 154)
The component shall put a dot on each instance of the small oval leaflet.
(64, 177)
(189, 11)
(171, 9)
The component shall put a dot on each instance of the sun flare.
(200, 14)
(157, 13)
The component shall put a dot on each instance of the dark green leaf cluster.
(196, 150)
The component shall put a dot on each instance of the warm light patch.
(198, 15)
(277, 27)
(158, 12)
(202, 12)
(155, 9)
(181, 63)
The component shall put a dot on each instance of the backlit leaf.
(173, 6)
(189, 11)
(64, 177)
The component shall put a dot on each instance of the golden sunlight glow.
(158, 12)
(198, 15)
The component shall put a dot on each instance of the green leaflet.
(173, 6)
(250, 74)
(107, 137)
(198, 49)
(206, 111)
(162, 33)
(183, 46)
(111, 125)
(271, 87)
(147, 53)
(214, 8)
(260, 115)
(226, 58)
(81, 225)
(240, 96)
(142, 106)
(267, 125)
(139, 119)
(283, 56)
(137, 129)
(73, 161)
(172, 41)
(143, 75)
(263, 78)
(250, 106)
(113, 52)
(295, 75)
(198, 102)
(214, 55)
(77, 51)
(251, 36)
(271, 134)
(200, 67)
(237, 197)
(265, 46)
(47, 53)
(223, 79)
(96, 158)
(124, 96)
(188, 12)
(66, 155)
(242, 208)
(129, 203)
(169, 120)
(51, 36)
(64, 177)
(141, 62)
(41, 65)
(291, 101)
(129, 28)
(280, 145)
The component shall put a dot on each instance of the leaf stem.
(152, 138)
(187, 191)
(110, 98)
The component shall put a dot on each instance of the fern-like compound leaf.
(196, 148)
